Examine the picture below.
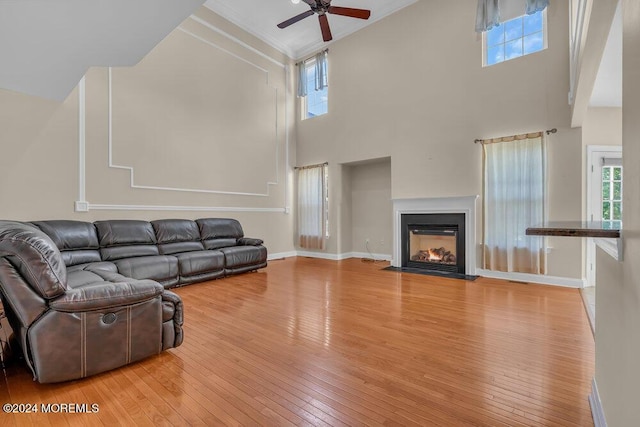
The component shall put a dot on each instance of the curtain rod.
(311, 166)
(514, 137)
(305, 60)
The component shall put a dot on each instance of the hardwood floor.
(315, 342)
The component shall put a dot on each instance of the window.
(515, 38)
(312, 86)
(612, 194)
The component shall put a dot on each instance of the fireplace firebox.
(434, 242)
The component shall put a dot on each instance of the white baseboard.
(280, 255)
(377, 257)
(597, 412)
(329, 256)
(567, 282)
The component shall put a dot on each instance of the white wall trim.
(567, 282)
(376, 257)
(280, 255)
(238, 41)
(131, 170)
(593, 152)
(82, 138)
(339, 257)
(81, 205)
(103, 207)
(597, 412)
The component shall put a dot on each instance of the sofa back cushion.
(177, 235)
(219, 232)
(126, 238)
(35, 256)
(76, 240)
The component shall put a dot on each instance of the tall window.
(313, 82)
(514, 199)
(515, 38)
(313, 206)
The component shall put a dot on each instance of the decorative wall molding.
(97, 207)
(237, 40)
(567, 282)
(597, 412)
(81, 205)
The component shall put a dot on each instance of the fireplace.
(463, 205)
(434, 242)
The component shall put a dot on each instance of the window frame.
(545, 40)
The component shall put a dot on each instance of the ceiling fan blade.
(351, 12)
(295, 19)
(324, 27)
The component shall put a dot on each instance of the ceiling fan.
(322, 7)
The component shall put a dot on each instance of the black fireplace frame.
(434, 221)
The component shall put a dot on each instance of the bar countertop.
(606, 229)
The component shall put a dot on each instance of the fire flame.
(433, 255)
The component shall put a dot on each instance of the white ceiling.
(607, 89)
(46, 46)
(260, 18)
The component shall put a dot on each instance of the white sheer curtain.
(312, 207)
(514, 199)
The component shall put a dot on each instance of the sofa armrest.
(248, 241)
(106, 295)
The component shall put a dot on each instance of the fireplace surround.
(465, 205)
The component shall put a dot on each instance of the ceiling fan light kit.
(322, 7)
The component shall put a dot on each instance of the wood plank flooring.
(315, 342)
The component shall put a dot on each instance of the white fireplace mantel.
(465, 204)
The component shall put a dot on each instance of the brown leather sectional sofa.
(84, 298)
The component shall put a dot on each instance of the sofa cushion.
(125, 239)
(219, 243)
(219, 228)
(175, 230)
(196, 263)
(76, 240)
(161, 268)
(35, 256)
(239, 256)
(177, 235)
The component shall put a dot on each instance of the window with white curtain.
(313, 222)
(514, 199)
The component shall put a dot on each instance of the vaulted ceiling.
(46, 46)
(259, 17)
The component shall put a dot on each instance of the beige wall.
(372, 210)
(199, 128)
(412, 87)
(618, 299)
(602, 126)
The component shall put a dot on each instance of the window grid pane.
(514, 38)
